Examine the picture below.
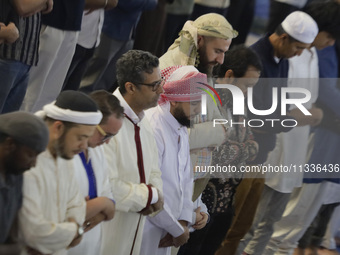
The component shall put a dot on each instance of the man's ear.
(173, 103)
(130, 87)
(57, 129)
(229, 76)
(284, 38)
(200, 41)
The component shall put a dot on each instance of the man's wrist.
(155, 197)
(80, 231)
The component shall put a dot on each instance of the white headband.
(57, 113)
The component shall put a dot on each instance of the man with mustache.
(202, 43)
(135, 177)
(178, 106)
(53, 210)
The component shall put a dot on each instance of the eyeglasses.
(104, 134)
(155, 85)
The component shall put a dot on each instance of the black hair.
(279, 31)
(108, 104)
(238, 60)
(132, 65)
(327, 15)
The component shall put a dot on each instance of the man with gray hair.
(22, 137)
(132, 154)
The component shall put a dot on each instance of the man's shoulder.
(170, 58)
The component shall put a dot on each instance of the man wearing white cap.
(53, 210)
(322, 189)
(294, 34)
(179, 105)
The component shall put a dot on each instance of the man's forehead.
(219, 43)
(154, 76)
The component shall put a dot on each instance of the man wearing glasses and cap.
(91, 171)
(132, 154)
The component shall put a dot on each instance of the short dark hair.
(238, 59)
(108, 104)
(132, 65)
(279, 31)
(327, 15)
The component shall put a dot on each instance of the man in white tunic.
(90, 168)
(202, 43)
(53, 210)
(179, 105)
(279, 185)
(135, 177)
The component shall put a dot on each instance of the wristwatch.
(80, 231)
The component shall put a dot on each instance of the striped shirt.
(25, 49)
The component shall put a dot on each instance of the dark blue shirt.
(10, 203)
(262, 98)
(120, 22)
(325, 155)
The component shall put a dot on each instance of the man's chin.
(68, 157)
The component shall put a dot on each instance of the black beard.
(206, 69)
(184, 121)
(181, 118)
(60, 147)
(204, 66)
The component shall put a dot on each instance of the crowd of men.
(87, 171)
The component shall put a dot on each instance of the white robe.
(174, 161)
(130, 194)
(291, 147)
(91, 242)
(51, 196)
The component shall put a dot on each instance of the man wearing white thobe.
(135, 177)
(53, 209)
(91, 172)
(179, 105)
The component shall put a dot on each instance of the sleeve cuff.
(154, 195)
(187, 215)
(175, 230)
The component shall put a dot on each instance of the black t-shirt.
(66, 15)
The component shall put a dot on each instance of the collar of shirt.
(127, 109)
(174, 124)
(277, 60)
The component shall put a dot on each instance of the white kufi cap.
(300, 26)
